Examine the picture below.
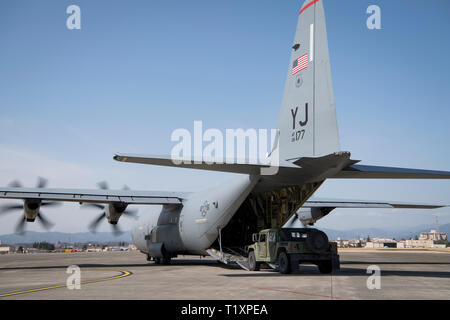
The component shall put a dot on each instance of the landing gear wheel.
(157, 260)
(325, 267)
(252, 264)
(166, 260)
(283, 263)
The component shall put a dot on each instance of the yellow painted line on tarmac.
(123, 274)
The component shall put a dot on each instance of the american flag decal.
(300, 64)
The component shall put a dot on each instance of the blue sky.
(137, 70)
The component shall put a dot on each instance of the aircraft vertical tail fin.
(307, 124)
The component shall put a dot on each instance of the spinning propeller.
(30, 208)
(111, 212)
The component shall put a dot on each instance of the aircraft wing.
(357, 171)
(316, 203)
(95, 196)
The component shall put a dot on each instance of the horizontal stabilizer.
(316, 203)
(357, 171)
(227, 166)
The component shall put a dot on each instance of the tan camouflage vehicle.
(286, 248)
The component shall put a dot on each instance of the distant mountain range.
(105, 237)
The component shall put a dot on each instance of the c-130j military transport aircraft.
(220, 221)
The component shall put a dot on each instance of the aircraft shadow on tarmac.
(344, 271)
(393, 262)
(178, 262)
(304, 270)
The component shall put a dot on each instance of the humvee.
(288, 247)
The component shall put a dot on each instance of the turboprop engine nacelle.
(114, 211)
(31, 208)
(309, 216)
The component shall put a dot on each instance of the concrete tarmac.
(127, 275)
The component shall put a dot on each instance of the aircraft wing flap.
(357, 171)
(367, 204)
(96, 196)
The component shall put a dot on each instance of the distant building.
(6, 249)
(419, 243)
(427, 240)
(432, 239)
(352, 243)
(401, 244)
(433, 235)
(381, 243)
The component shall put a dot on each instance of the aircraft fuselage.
(193, 226)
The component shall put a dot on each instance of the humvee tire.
(325, 267)
(284, 265)
(252, 264)
(166, 260)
